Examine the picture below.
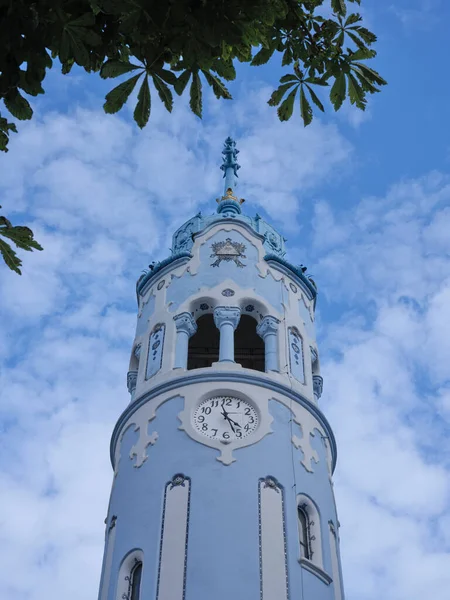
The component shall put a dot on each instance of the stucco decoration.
(296, 360)
(131, 381)
(309, 454)
(317, 386)
(171, 584)
(228, 251)
(225, 447)
(155, 350)
(272, 541)
(139, 450)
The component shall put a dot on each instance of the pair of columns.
(226, 319)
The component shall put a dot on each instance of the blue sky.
(364, 202)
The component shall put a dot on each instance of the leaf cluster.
(169, 46)
(22, 237)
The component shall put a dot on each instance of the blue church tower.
(223, 459)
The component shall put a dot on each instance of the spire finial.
(230, 165)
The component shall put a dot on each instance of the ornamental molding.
(228, 251)
(317, 386)
(192, 398)
(131, 381)
(185, 322)
(227, 314)
(268, 326)
(306, 413)
(139, 450)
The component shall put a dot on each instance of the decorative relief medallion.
(228, 293)
(228, 251)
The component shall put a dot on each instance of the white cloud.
(104, 199)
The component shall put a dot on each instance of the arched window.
(248, 345)
(130, 576)
(309, 531)
(304, 532)
(203, 347)
(134, 583)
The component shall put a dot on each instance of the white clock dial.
(225, 418)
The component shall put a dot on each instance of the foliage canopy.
(167, 46)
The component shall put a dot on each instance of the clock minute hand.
(231, 424)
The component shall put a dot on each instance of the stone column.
(226, 319)
(268, 330)
(186, 327)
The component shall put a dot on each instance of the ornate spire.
(229, 203)
(230, 165)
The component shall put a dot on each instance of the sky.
(364, 200)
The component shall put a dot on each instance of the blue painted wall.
(223, 547)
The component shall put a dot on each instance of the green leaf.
(315, 99)
(352, 19)
(79, 50)
(362, 54)
(365, 34)
(196, 94)
(163, 92)
(86, 20)
(18, 106)
(115, 68)
(288, 57)
(356, 93)
(338, 91)
(305, 108)
(370, 74)
(218, 87)
(67, 66)
(10, 257)
(287, 78)
(167, 76)
(4, 139)
(287, 106)
(262, 57)
(117, 97)
(339, 7)
(142, 111)
(182, 82)
(278, 94)
(224, 68)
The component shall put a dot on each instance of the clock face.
(225, 418)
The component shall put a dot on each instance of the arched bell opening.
(203, 347)
(248, 345)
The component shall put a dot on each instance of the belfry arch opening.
(248, 345)
(204, 344)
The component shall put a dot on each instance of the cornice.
(196, 378)
(160, 269)
(286, 267)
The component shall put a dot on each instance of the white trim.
(274, 576)
(125, 571)
(315, 534)
(174, 535)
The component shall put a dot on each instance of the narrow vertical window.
(130, 576)
(303, 524)
(135, 581)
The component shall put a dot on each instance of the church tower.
(223, 459)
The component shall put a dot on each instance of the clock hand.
(231, 425)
